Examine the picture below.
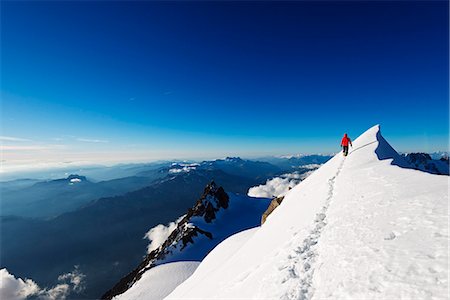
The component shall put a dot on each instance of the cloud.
(277, 186)
(74, 180)
(16, 288)
(13, 288)
(60, 291)
(92, 140)
(159, 234)
(30, 147)
(179, 168)
(76, 278)
(13, 139)
(289, 156)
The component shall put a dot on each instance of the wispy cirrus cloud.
(92, 140)
(13, 139)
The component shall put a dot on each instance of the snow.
(238, 220)
(224, 251)
(159, 281)
(359, 227)
(242, 213)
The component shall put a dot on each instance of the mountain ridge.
(213, 218)
(353, 229)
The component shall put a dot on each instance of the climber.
(344, 144)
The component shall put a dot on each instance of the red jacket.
(345, 140)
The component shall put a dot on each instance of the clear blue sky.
(99, 80)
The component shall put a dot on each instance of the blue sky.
(112, 81)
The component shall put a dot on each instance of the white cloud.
(159, 234)
(75, 180)
(13, 288)
(13, 139)
(277, 186)
(289, 156)
(76, 278)
(310, 166)
(179, 168)
(58, 292)
(30, 147)
(16, 288)
(92, 140)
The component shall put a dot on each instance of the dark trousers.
(345, 150)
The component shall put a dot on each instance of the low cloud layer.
(13, 288)
(180, 168)
(277, 186)
(159, 234)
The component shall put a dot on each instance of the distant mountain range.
(50, 226)
(82, 224)
(46, 199)
(365, 226)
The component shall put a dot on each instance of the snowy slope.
(216, 216)
(159, 281)
(242, 213)
(359, 227)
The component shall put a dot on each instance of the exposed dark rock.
(424, 162)
(444, 159)
(212, 200)
(418, 158)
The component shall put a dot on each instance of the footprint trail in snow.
(299, 266)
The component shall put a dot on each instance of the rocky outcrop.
(424, 162)
(273, 204)
(213, 199)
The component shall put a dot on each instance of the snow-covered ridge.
(214, 217)
(361, 227)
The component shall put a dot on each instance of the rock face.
(213, 199)
(273, 204)
(424, 162)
